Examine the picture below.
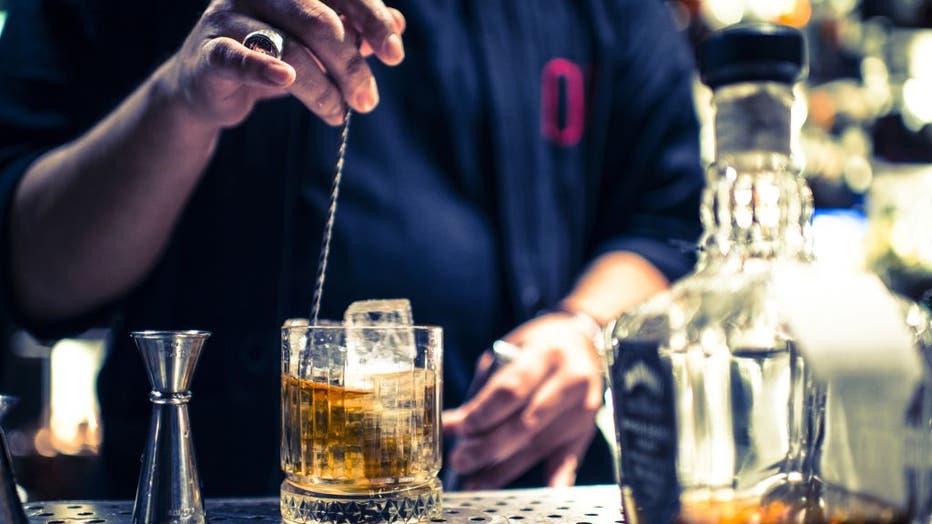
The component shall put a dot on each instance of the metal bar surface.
(578, 505)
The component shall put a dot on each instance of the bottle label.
(645, 421)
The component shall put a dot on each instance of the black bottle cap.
(752, 53)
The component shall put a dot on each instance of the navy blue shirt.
(517, 141)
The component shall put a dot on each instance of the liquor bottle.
(718, 416)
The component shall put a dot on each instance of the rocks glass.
(360, 423)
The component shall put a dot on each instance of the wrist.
(585, 323)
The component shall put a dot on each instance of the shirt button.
(530, 297)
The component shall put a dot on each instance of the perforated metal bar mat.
(580, 505)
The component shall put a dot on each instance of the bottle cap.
(752, 53)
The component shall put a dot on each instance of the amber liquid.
(361, 439)
(853, 510)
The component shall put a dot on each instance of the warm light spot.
(724, 12)
(769, 10)
(917, 104)
(822, 109)
(920, 55)
(43, 444)
(843, 6)
(798, 15)
(74, 415)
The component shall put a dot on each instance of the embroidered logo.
(562, 102)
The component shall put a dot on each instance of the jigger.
(169, 490)
(11, 508)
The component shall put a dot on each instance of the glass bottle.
(718, 417)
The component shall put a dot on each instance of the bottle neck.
(756, 204)
(753, 117)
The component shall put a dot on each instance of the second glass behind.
(360, 423)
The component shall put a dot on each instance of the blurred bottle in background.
(899, 242)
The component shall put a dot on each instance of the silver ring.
(266, 41)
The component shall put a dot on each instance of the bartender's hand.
(220, 80)
(539, 407)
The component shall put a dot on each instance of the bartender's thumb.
(231, 60)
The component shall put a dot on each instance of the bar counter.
(578, 505)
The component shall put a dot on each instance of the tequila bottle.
(718, 417)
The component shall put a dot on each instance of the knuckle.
(356, 76)
(333, 114)
(308, 82)
(216, 16)
(509, 391)
(328, 99)
(528, 422)
(525, 375)
(378, 22)
(321, 22)
(576, 393)
(218, 53)
(484, 361)
(592, 399)
(356, 66)
(579, 385)
(578, 379)
(472, 422)
(556, 358)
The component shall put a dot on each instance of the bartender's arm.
(91, 217)
(542, 405)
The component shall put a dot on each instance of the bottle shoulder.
(711, 309)
(734, 310)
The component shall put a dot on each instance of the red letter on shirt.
(571, 131)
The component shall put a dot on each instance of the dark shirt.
(517, 141)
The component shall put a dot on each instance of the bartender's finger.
(452, 421)
(399, 20)
(314, 88)
(377, 26)
(318, 28)
(561, 398)
(400, 24)
(499, 475)
(574, 388)
(474, 453)
(556, 437)
(506, 393)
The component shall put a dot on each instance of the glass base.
(412, 504)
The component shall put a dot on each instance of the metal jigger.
(11, 508)
(169, 489)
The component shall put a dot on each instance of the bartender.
(518, 170)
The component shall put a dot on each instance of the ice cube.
(296, 337)
(375, 312)
(377, 339)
